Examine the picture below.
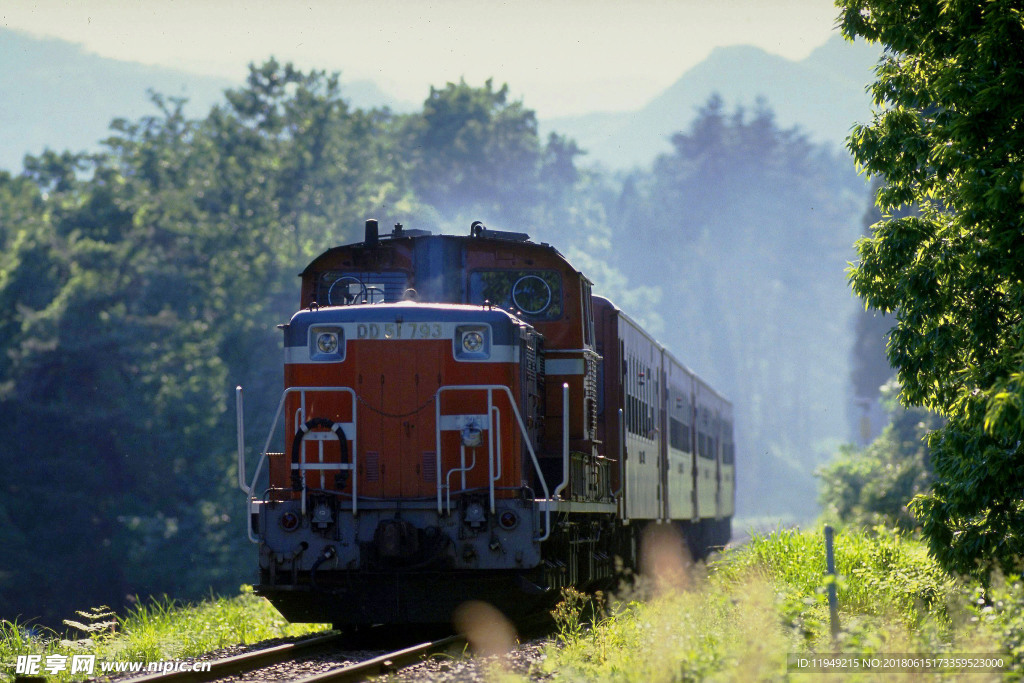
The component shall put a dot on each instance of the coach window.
(536, 294)
(679, 435)
(728, 448)
(628, 388)
(649, 387)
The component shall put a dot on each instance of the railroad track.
(328, 651)
(389, 662)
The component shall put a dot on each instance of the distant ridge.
(824, 94)
(54, 94)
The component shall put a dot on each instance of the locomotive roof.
(479, 234)
(385, 312)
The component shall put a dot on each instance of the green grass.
(150, 632)
(737, 619)
(878, 572)
(741, 617)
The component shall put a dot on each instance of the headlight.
(327, 342)
(473, 342)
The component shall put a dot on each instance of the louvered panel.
(372, 466)
(429, 471)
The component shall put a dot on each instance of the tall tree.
(948, 138)
(745, 226)
(475, 153)
(874, 484)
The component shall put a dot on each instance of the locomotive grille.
(590, 392)
(372, 466)
(531, 360)
(429, 466)
(533, 386)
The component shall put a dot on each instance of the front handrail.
(493, 444)
(490, 389)
(350, 431)
(462, 470)
(302, 466)
(240, 422)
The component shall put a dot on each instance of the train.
(462, 419)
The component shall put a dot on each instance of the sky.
(562, 57)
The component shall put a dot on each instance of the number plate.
(399, 331)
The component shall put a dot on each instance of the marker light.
(508, 519)
(289, 521)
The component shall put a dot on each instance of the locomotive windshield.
(534, 293)
(348, 287)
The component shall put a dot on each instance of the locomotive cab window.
(350, 287)
(537, 294)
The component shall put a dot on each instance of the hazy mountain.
(54, 94)
(824, 93)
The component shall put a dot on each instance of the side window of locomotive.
(348, 287)
(537, 294)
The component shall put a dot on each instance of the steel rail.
(386, 663)
(247, 661)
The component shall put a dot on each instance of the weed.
(569, 614)
(161, 629)
(765, 600)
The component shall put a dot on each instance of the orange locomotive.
(459, 425)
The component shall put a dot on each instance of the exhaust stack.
(372, 233)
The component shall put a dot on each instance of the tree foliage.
(745, 226)
(948, 139)
(873, 485)
(474, 152)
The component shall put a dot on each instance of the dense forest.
(140, 284)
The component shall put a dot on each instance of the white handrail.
(565, 441)
(496, 421)
(240, 422)
(490, 452)
(522, 428)
(463, 469)
(352, 434)
(302, 466)
(494, 451)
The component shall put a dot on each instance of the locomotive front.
(406, 482)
